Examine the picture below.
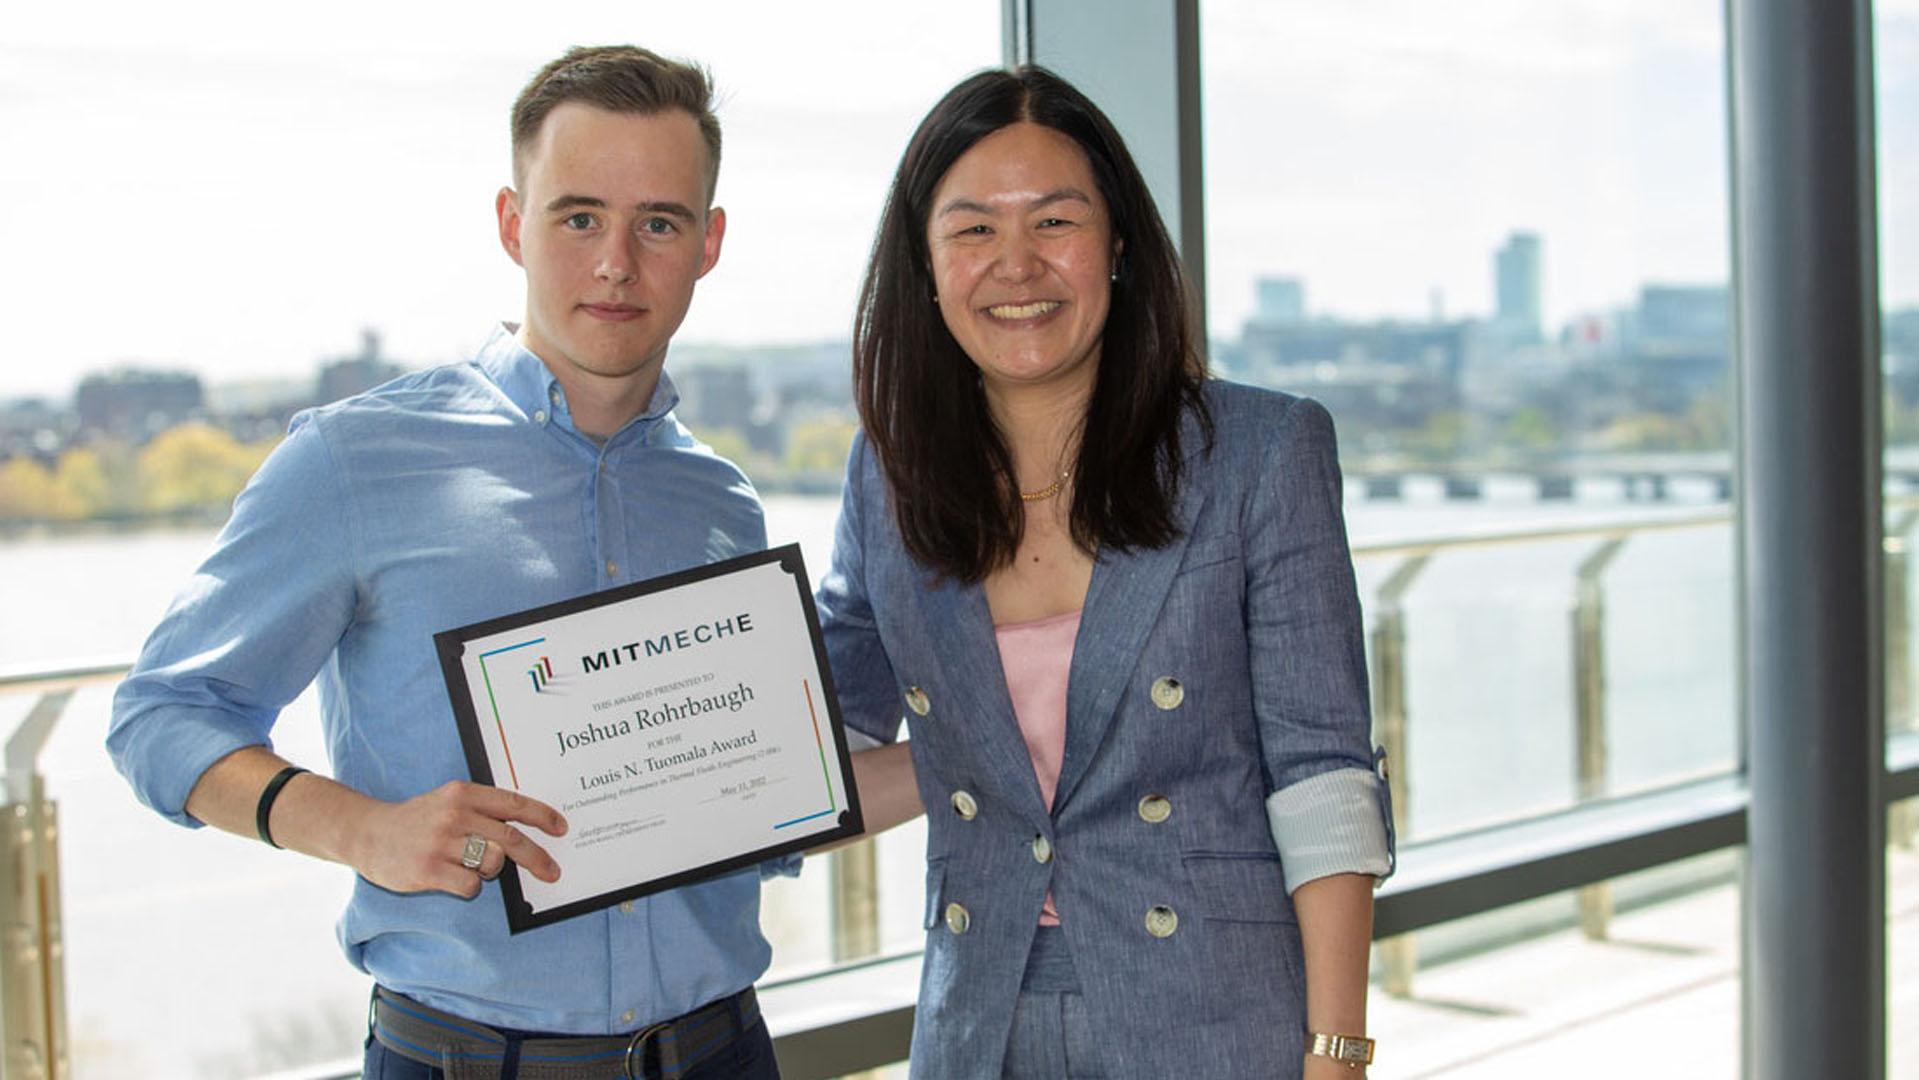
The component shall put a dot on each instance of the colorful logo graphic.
(541, 674)
(544, 674)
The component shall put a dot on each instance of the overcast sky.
(238, 188)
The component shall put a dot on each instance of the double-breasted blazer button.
(1167, 692)
(958, 918)
(1154, 809)
(965, 806)
(1042, 849)
(1161, 920)
(916, 700)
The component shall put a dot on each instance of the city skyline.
(240, 205)
(368, 341)
(1299, 301)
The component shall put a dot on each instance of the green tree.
(729, 443)
(1531, 431)
(125, 495)
(81, 487)
(1645, 431)
(1443, 437)
(818, 446)
(26, 491)
(1710, 420)
(196, 467)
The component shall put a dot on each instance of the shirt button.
(1161, 921)
(965, 806)
(917, 701)
(626, 1017)
(612, 568)
(1042, 850)
(540, 417)
(958, 918)
(602, 465)
(1154, 809)
(1167, 692)
(626, 907)
(553, 395)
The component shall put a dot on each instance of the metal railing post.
(1589, 711)
(856, 909)
(1398, 954)
(1902, 818)
(32, 957)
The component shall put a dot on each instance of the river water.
(193, 953)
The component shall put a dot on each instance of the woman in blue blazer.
(1186, 779)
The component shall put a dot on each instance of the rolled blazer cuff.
(1331, 823)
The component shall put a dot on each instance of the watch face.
(1344, 1048)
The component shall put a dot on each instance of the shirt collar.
(526, 381)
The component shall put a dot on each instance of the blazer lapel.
(1122, 605)
(960, 635)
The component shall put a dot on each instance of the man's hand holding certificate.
(686, 727)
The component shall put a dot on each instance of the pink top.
(1037, 657)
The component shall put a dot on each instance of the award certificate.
(686, 726)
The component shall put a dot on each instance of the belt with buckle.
(466, 1050)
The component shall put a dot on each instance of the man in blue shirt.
(548, 465)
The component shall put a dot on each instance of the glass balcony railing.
(1564, 807)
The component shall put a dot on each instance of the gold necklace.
(1046, 492)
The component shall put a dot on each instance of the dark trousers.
(750, 1057)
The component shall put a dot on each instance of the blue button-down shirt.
(438, 500)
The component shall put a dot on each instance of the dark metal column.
(1807, 288)
(1139, 59)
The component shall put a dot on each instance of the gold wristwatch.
(1348, 1050)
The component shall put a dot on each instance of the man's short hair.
(617, 78)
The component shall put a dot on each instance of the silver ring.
(474, 853)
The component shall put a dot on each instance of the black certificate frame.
(452, 647)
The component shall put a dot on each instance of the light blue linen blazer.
(1217, 753)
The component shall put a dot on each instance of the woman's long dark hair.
(920, 398)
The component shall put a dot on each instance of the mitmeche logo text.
(685, 637)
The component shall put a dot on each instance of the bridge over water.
(1702, 477)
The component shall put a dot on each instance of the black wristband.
(271, 793)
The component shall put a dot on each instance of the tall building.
(1681, 346)
(136, 404)
(1279, 300)
(1694, 315)
(1517, 277)
(349, 375)
(717, 396)
(1381, 374)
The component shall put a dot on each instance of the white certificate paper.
(685, 725)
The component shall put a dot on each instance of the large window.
(220, 213)
(1896, 67)
(1493, 239)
